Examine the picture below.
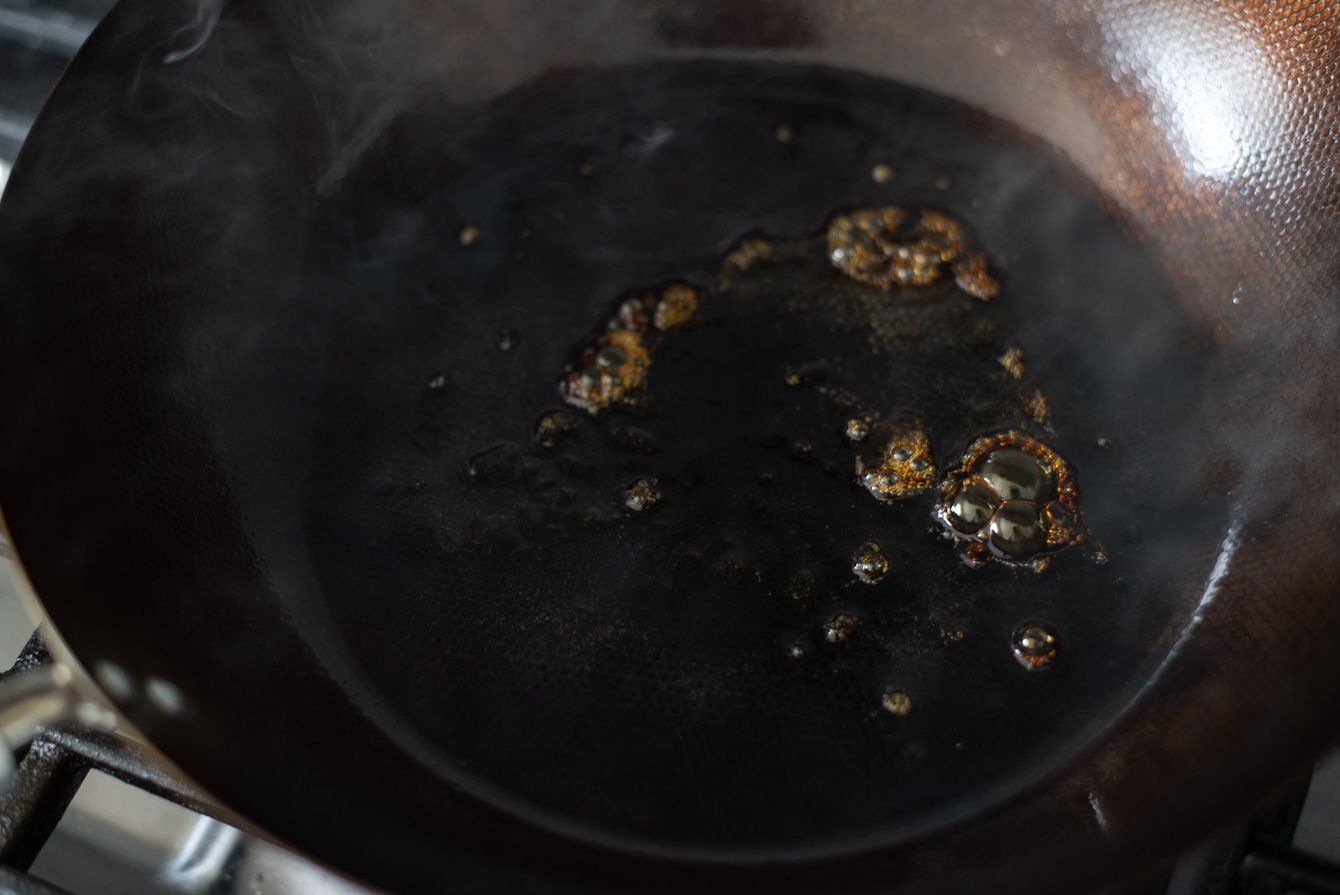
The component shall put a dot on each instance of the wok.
(285, 286)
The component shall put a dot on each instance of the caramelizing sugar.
(748, 254)
(553, 427)
(897, 702)
(1013, 362)
(1013, 499)
(897, 462)
(641, 495)
(613, 368)
(611, 371)
(895, 246)
(675, 308)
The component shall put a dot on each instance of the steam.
(190, 39)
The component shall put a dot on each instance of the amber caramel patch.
(613, 370)
(897, 461)
(553, 427)
(1013, 362)
(748, 254)
(895, 246)
(675, 308)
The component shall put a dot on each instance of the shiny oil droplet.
(869, 564)
(897, 703)
(611, 356)
(439, 380)
(468, 235)
(796, 651)
(1035, 645)
(1017, 530)
(785, 133)
(839, 628)
(1014, 475)
(881, 173)
(508, 338)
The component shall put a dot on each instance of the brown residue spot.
(839, 628)
(553, 427)
(1035, 404)
(898, 462)
(973, 277)
(804, 583)
(611, 371)
(1013, 362)
(748, 254)
(897, 702)
(641, 495)
(899, 247)
(675, 308)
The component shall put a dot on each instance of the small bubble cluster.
(868, 564)
(839, 628)
(896, 462)
(897, 702)
(641, 495)
(1034, 645)
(1011, 498)
(899, 247)
(613, 368)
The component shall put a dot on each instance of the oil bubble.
(784, 133)
(1017, 530)
(897, 703)
(439, 380)
(881, 173)
(869, 564)
(1014, 475)
(839, 628)
(972, 507)
(858, 427)
(796, 651)
(508, 338)
(1035, 645)
(468, 235)
(1011, 498)
(611, 356)
(943, 183)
